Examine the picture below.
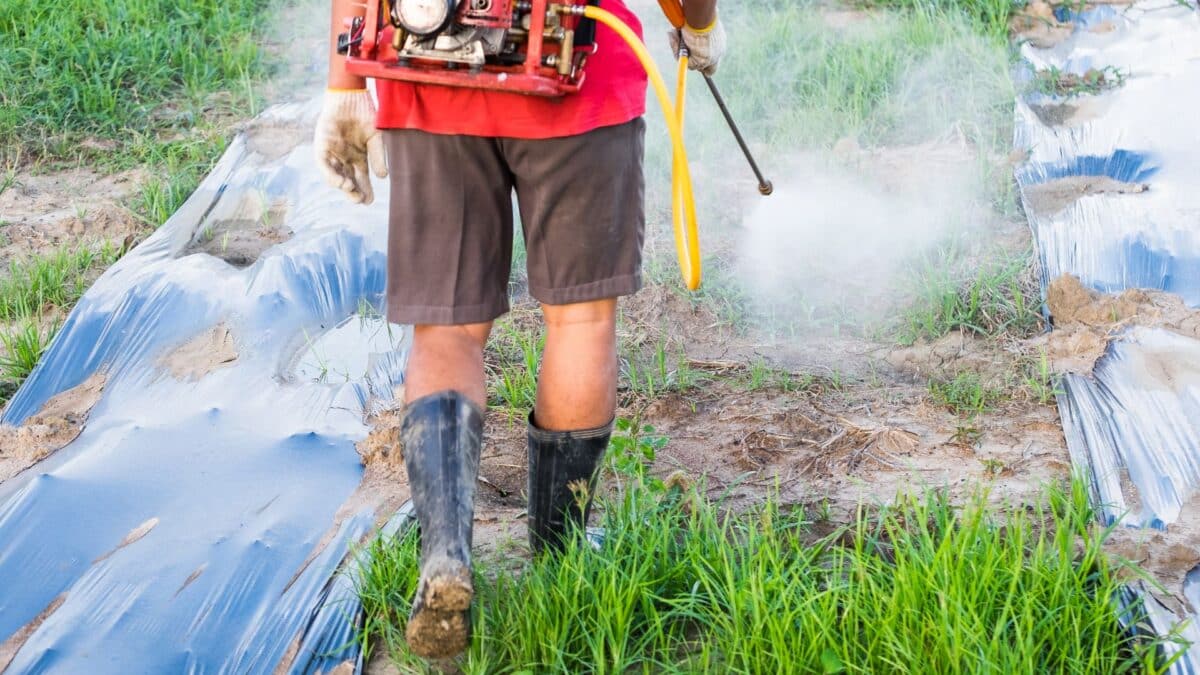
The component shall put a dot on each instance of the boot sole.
(441, 626)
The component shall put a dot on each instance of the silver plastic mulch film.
(203, 521)
(1133, 424)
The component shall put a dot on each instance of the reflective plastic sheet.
(191, 525)
(1133, 424)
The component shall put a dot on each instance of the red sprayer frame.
(372, 52)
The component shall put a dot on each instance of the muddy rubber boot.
(560, 464)
(442, 434)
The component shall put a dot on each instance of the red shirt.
(614, 92)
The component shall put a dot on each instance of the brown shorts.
(450, 233)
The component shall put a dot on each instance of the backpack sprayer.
(532, 47)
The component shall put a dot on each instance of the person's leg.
(447, 358)
(577, 386)
(449, 249)
(581, 201)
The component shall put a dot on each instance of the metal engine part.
(469, 46)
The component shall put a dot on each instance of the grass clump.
(1052, 81)
(1041, 382)
(905, 73)
(513, 354)
(662, 370)
(965, 394)
(761, 375)
(103, 69)
(988, 18)
(951, 292)
(21, 348)
(57, 279)
(33, 288)
(682, 584)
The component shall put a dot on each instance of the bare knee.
(597, 318)
(472, 337)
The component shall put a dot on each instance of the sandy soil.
(209, 351)
(240, 232)
(58, 423)
(42, 212)
(1085, 321)
(1167, 556)
(1056, 195)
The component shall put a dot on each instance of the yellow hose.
(687, 238)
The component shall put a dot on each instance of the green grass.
(514, 352)
(121, 71)
(794, 81)
(1054, 82)
(32, 287)
(663, 369)
(987, 18)
(21, 348)
(965, 394)
(57, 279)
(908, 72)
(118, 85)
(681, 585)
(952, 291)
(761, 375)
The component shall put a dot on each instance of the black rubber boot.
(442, 434)
(560, 464)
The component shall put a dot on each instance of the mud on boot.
(442, 434)
(562, 463)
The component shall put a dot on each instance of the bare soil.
(240, 232)
(1036, 24)
(1167, 556)
(43, 212)
(273, 139)
(209, 351)
(1056, 195)
(59, 422)
(1085, 321)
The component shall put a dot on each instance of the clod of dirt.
(381, 447)
(211, 350)
(1036, 24)
(1071, 113)
(1085, 321)
(1070, 302)
(59, 422)
(241, 234)
(1056, 195)
(1166, 556)
(273, 138)
(955, 353)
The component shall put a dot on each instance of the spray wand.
(673, 9)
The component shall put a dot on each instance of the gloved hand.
(705, 46)
(347, 143)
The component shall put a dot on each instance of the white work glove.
(705, 46)
(347, 144)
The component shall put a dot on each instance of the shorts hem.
(613, 287)
(416, 315)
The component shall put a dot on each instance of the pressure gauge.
(425, 17)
